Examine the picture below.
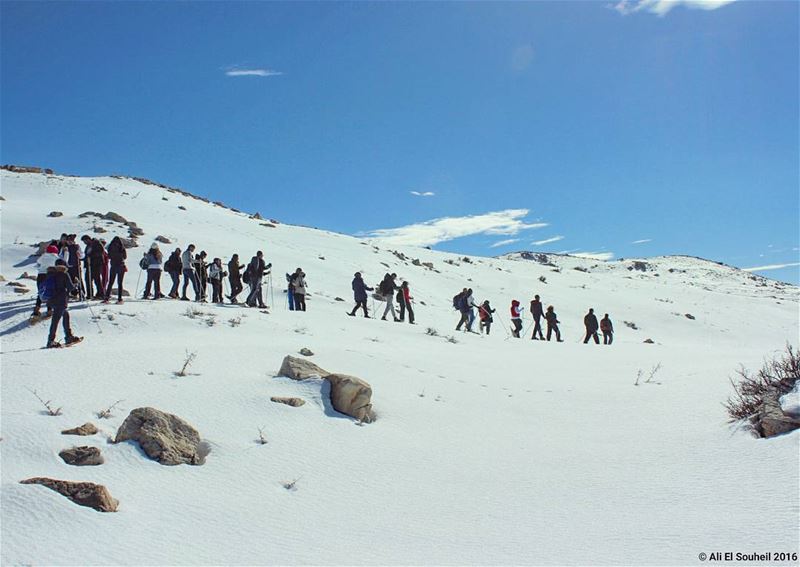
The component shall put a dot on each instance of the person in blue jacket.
(59, 286)
(360, 290)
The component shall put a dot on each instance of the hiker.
(154, 260)
(72, 255)
(552, 324)
(201, 272)
(106, 268)
(235, 278)
(255, 271)
(215, 275)
(173, 267)
(608, 330)
(516, 317)
(485, 316)
(537, 312)
(590, 322)
(46, 261)
(360, 290)
(94, 259)
(187, 265)
(290, 291)
(469, 303)
(387, 289)
(299, 290)
(460, 303)
(404, 300)
(117, 256)
(57, 288)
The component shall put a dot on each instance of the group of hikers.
(59, 280)
(464, 302)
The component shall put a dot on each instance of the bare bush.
(235, 321)
(653, 371)
(47, 404)
(777, 375)
(261, 439)
(430, 331)
(187, 362)
(107, 413)
(451, 339)
(291, 485)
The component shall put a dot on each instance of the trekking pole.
(136, 289)
(502, 322)
(271, 291)
(525, 334)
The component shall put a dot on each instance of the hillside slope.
(486, 449)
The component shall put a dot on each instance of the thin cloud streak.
(547, 241)
(662, 7)
(504, 242)
(252, 73)
(424, 194)
(508, 223)
(642, 241)
(771, 267)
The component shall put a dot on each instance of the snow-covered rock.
(164, 437)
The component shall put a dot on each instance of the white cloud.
(547, 241)
(642, 241)
(662, 7)
(522, 57)
(594, 255)
(771, 267)
(423, 194)
(428, 233)
(252, 73)
(504, 242)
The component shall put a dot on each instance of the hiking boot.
(119, 302)
(184, 298)
(72, 339)
(53, 344)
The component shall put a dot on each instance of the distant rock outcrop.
(351, 396)
(306, 352)
(82, 456)
(164, 437)
(294, 402)
(300, 369)
(85, 429)
(54, 214)
(83, 493)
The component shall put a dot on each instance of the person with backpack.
(94, 258)
(360, 290)
(201, 272)
(608, 330)
(73, 256)
(404, 301)
(469, 303)
(387, 288)
(459, 303)
(56, 290)
(255, 271)
(46, 261)
(117, 256)
(290, 291)
(235, 278)
(299, 285)
(537, 311)
(187, 265)
(153, 260)
(552, 324)
(173, 267)
(590, 322)
(516, 317)
(485, 316)
(215, 275)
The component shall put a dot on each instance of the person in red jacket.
(404, 300)
(516, 317)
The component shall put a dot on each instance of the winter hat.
(154, 246)
(61, 265)
(51, 249)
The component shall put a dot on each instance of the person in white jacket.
(154, 260)
(46, 260)
(299, 290)
(215, 275)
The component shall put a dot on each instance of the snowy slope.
(486, 451)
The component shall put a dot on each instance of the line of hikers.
(464, 302)
(388, 291)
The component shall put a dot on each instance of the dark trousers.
(590, 335)
(464, 319)
(360, 303)
(117, 272)
(154, 278)
(292, 302)
(176, 281)
(94, 280)
(39, 283)
(537, 328)
(189, 276)
(202, 281)
(553, 329)
(59, 312)
(608, 337)
(216, 290)
(236, 288)
(255, 295)
(404, 306)
(75, 274)
(517, 327)
(299, 301)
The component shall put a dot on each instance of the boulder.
(54, 214)
(300, 369)
(82, 456)
(163, 239)
(85, 429)
(135, 231)
(112, 216)
(306, 352)
(129, 242)
(351, 396)
(294, 402)
(771, 419)
(83, 493)
(689, 316)
(649, 341)
(98, 229)
(164, 437)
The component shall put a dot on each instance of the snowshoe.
(120, 302)
(53, 344)
(35, 318)
(72, 340)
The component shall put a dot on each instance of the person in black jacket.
(608, 330)
(201, 270)
(255, 271)
(235, 278)
(387, 288)
(62, 286)
(73, 257)
(552, 324)
(117, 256)
(173, 267)
(537, 312)
(94, 267)
(591, 324)
(360, 290)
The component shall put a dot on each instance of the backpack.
(246, 275)
(48, 289)
(399, 297)
(386, 287)
(457, 302)
(144, 263)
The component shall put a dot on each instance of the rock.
(163, 239)
(164, 437)
(89, 214)
(82, 456)
(21, 290)
(27, 276)
(771, 419)
(351, 396)
(300, 369)
(294, 402)
(85, 429)
(98, 230)
(129, 242)
(306, 352)
(338, 299)
(54, 214)
(689, 316)
(114, 217)
(639, 266)
(83, 493)
(649, 341)
(256, 216)
(2, 279)
(181, 207)
(135, 231)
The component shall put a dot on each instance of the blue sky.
(623, 129)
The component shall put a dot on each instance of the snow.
(790, 401)
(485, 451)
